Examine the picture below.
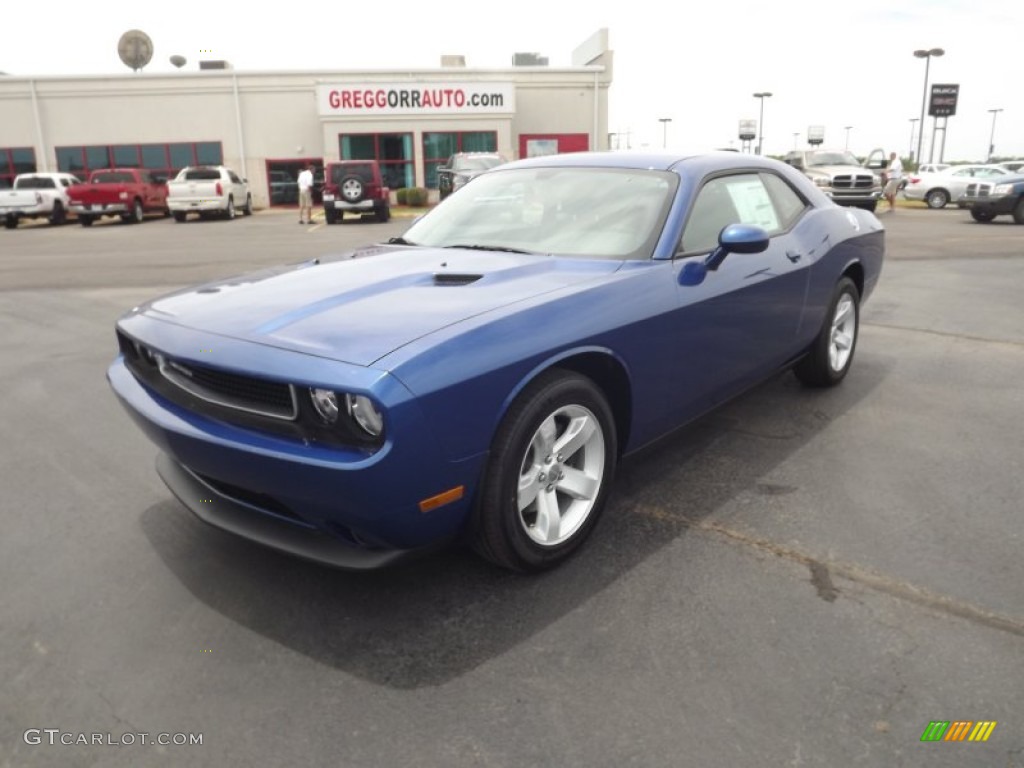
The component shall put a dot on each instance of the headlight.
(365, 414)
(325, 402)
(1002, 189)
(823, 181)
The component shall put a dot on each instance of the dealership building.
(268, 125)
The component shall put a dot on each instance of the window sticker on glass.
(753, 204)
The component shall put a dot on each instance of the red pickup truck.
(130, 193)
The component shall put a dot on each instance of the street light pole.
(992, 136)
(760, 122)
(848, 136)
(927, 56)
(795, 137)
(910, 151)
(664, 130)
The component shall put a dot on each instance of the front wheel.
(1018, 212)
(86, 221)
(10, 222)
(982, 216)
(247, 211)
(180, 216)
(830, 357)
(549, 474)
(937, 198)
(229, 212)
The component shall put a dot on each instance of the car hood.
(832, 170)
(357, 310)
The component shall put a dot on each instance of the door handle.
(793, 256)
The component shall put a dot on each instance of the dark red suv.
(355, 186)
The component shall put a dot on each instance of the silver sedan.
(939, 189)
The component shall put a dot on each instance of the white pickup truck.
(208, 189)
(36, 196)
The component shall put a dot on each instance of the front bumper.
(337, 505)
(997, 205)
(849, 197)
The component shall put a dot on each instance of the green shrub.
(401, 196)
(416, 196)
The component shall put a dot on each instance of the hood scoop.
(454, 278)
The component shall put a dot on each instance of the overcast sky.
(828, 63)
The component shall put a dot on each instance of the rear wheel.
(247, 211)
(831, 355)
(86, 221)
(58, 215)
(10, 222)
(331, 216)
(229, 212)
(180, 216)
(550, 470)
(982, 216)
(937, 198)
(384, 213)
(135, 216)
(1018, 212)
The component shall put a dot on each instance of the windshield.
(587, 212)
(477, 163)
(831, 158)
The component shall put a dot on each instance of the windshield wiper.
(399, 241)
(478, 247)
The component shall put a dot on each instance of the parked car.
(36, 196)
(126, 192)
(840, 175)
(1016, 166)
(940, 189)
(933, 168)
(462, 167)
(208, 189)
(483, 374)
(355, 186)
(1003, 196)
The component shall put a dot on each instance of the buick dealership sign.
(943, 101)
(445, 98)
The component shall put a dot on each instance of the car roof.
(641, 160)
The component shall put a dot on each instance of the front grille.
(268, 398)
(979, 189)
(849, 181)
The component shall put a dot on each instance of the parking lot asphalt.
(802, 578)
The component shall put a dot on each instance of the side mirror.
(735, 238)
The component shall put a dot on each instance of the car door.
(741, 321)
(237, 187)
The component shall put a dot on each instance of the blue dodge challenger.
(482, 375)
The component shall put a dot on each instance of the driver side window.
(741, 198)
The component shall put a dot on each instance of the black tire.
(247, 210)
(872, 206)
(937, 198)
(229, 212)
(58, 215)
(826, 364)
(10, 222)
(1018, 212)
(512, 537)
(331, 215)
(383, 213)
(352, 189)
(180, 216)
(982, 216)
(86, 221)
(136, 215)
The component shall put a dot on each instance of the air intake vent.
(447, 278)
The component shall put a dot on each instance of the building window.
(438, 147)
(14, 161)
(392, 150)
(161, 159)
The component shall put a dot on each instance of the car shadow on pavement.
(428, 621)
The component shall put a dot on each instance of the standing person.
(306, 195)
(894, 179)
